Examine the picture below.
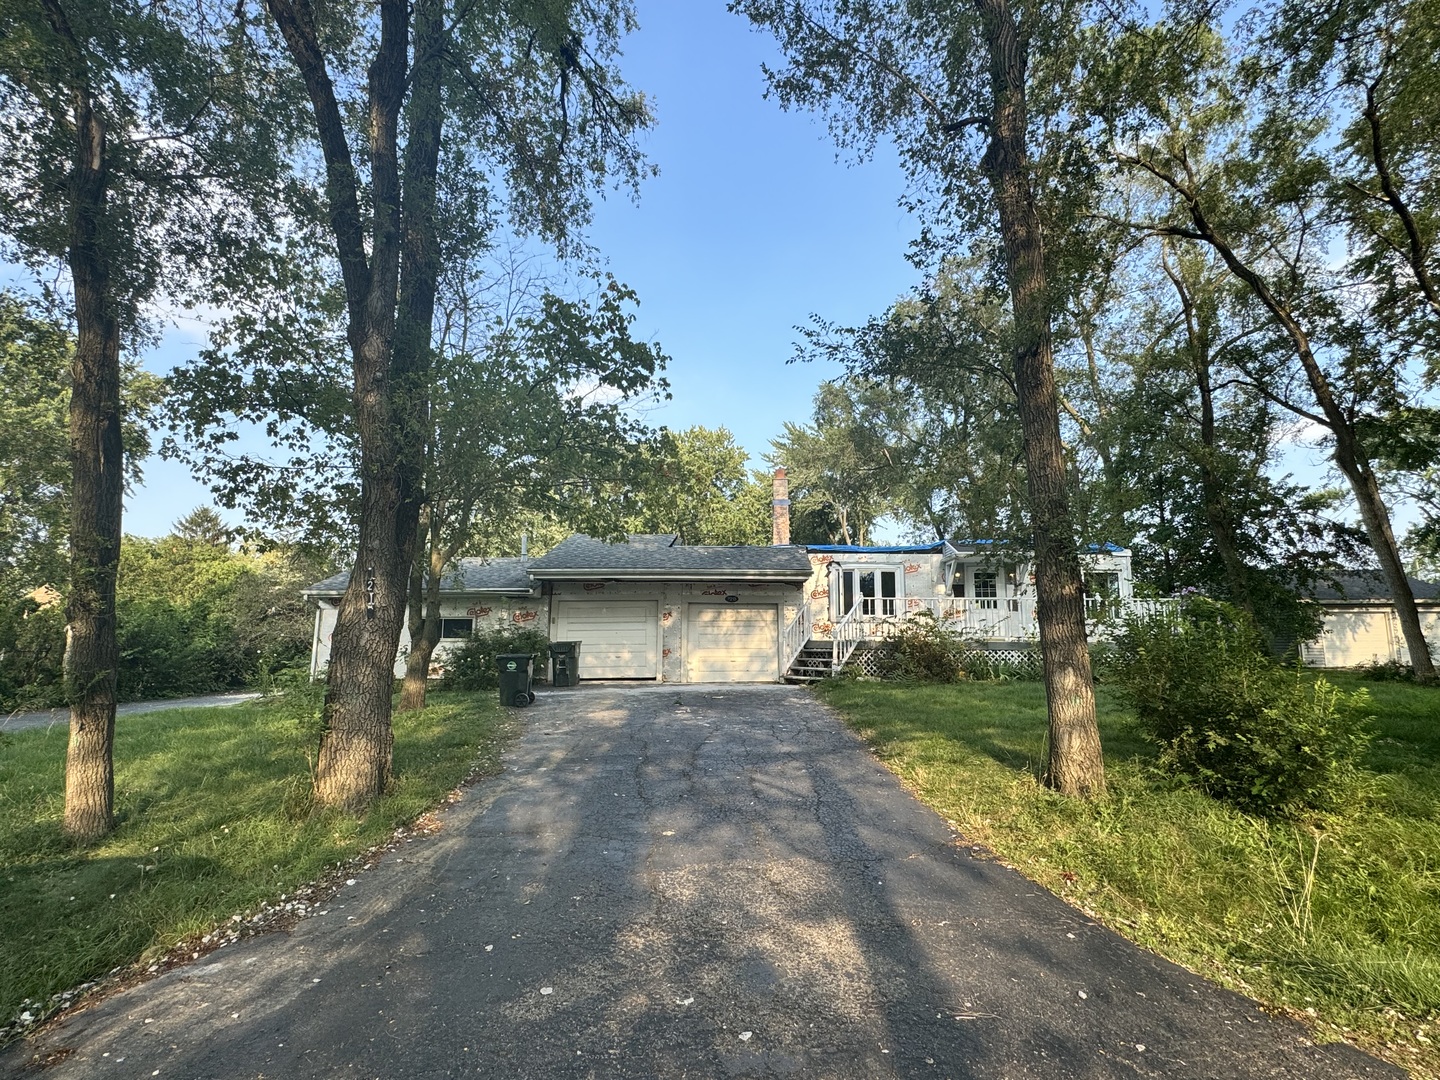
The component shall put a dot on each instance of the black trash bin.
(564, 663)
(517, 671)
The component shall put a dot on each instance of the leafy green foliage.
(1231, 721)
(472, 666)
(923, 649)
(192, 617)
(32, 649)
(694, 483)
(192, 148)
(927, 649)
(1388, 671)
(168, 649)
(934, 411)
(847, 459)
(35, 352)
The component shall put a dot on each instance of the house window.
(456, 628)
(957, 582)
(1105, 584)
(986, 588)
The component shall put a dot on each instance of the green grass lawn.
(214, 818)
(1337, 918)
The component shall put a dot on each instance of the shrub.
(32, 648)
(472, 665)
(168, 649)
(1231, 721)
(1388, 671)
(923, 649)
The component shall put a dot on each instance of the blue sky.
(751, 226)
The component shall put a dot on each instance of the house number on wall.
(732, 599)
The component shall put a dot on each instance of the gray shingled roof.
(653, 539)
(580, 556)
(469, 576)
(1359, 585)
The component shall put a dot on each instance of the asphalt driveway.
(686, 882)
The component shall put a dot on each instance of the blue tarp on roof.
(894, 549)
(959, 545)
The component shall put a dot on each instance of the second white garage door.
(731, 644)
(619, 639)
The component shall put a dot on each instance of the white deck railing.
(795, 636)
(849, 632)
(998, 619)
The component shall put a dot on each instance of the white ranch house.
(653, 608)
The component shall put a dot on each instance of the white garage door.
(1358, 637)
(731, 644)
(619, 639)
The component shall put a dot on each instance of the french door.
(878, 590)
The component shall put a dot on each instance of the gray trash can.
(564, 663)
(517, 672)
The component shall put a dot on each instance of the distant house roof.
(468, 576)
(1360, 586)
(581, 556)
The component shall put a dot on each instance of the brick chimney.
(780, 509)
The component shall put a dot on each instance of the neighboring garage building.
(653, 608)
(1362, 626)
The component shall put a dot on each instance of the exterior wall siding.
(924, 575)
(488, 613)
(1357, 634)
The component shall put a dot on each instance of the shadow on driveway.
(698, 882)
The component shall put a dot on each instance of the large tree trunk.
(391, 368)
(96, 496)
(353, 767)
(1075, 765)
(419, 280)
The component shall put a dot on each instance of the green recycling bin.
(517, 671)
(564, 663)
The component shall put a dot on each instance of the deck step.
(811, 665)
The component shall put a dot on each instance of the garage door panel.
(1358, 637)
(618, 639)
(731, 644)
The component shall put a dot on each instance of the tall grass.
(214, 816)
(1336, 917)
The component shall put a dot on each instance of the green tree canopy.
(694, 483)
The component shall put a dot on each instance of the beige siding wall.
(1368, 634)
(924, 576)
